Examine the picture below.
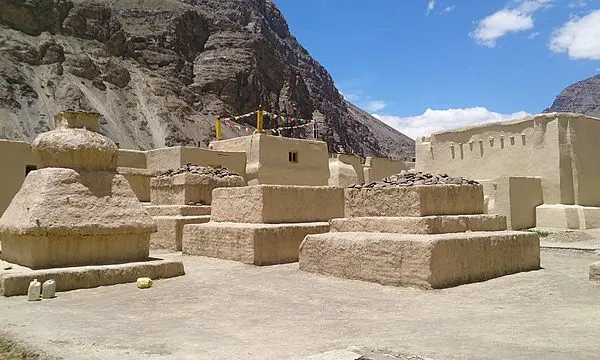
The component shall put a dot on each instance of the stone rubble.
(413, 178)
(197, 169)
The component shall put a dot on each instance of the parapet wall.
(175, 157)
(559, 148)
(378, 168)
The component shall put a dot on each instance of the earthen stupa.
(75, 210)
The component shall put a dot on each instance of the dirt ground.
(227, 310)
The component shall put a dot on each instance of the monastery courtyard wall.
(558, 148)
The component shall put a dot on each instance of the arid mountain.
(160, 71)
(582, 97)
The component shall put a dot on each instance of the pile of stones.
(197, 169)
(413, 178)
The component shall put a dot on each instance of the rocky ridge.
(412, 178)
(582, 97)
(160, 71)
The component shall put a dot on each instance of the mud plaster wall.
(379, 168)
(15, 156)
(559, 148)
(279, 160)
(174, 157)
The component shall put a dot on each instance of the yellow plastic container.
(144, 283)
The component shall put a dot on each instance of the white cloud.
(507, 20)
(430, 6)
(579, 38)
(374, 105)
(449, 8)
(499, 24)
(530, 6)
(435, 120)
(578, 4)
(533, 35)
(363, 101)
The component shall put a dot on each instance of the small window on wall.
(214, 166)
(29, 168)
(293, 156)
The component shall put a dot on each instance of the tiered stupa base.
(424, 261)
(16, 279)
(170, 220)
(257, 244)
(415, 236)
(263, 225)
(182, 197)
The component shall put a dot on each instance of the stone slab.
(422, 261)
(39, 252)
(415, 201)
(170, 230)
(567, 216)
(595, 271)
(177, 210)
(16, 281)
(258, 244)
(275, 204)
(420, 225)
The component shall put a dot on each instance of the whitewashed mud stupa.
(76, 209)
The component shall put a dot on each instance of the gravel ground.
(227, 310)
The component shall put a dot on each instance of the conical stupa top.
(76, 143)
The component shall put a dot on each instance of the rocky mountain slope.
(160, 71)
(582, 97)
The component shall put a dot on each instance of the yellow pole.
(218, 130)
(259, 120)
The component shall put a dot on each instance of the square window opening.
(293, 156)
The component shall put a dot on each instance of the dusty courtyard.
(227, 310)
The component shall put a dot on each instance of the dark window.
(29, 168)
(293, 156)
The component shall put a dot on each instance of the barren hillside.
(160, 71)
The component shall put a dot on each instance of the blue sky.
(424, 65)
